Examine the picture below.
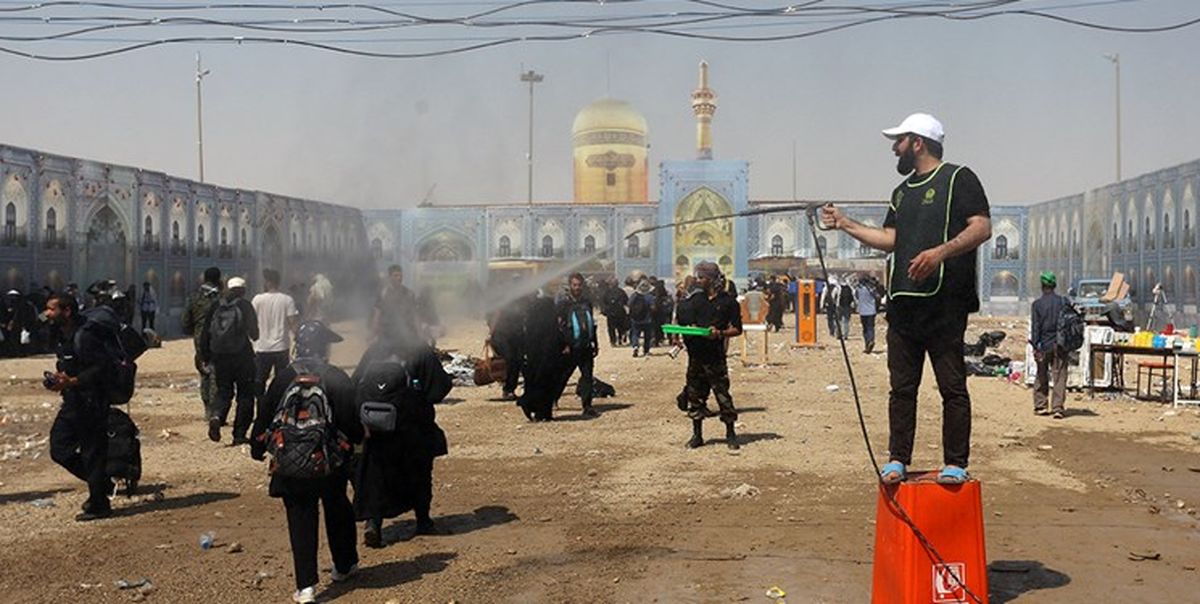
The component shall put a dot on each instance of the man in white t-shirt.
(277, 319)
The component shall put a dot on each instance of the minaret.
(704, 105)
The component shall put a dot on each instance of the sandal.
(892, 473)
(953, 475)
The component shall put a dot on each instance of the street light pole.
(200, 73)
(1115, 58)
(532, 77)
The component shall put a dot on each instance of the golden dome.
(608, 114)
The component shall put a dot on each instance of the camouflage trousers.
(703, 378)
(208, 391)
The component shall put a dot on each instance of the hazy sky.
(1027, 103)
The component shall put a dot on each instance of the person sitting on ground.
(296, 385)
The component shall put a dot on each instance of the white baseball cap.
(235, 282)
(921, 124)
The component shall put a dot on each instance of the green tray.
(685, 330)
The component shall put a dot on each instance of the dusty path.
(615, 509)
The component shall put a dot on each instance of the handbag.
(490, 368)
(379, 418)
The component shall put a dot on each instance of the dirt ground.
(616, 509)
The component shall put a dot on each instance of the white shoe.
(339, 577)
(308, 595)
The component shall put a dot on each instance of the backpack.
(303, 439)
(639, 308)
(381, 390)
(124, 346)
(124, 459)
(225, 331)
(1069, 336)
(581, 325)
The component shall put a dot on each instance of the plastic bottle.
(206, 540)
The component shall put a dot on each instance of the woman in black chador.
(395, 474)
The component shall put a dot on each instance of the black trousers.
(303, 517)
(79, 443)
(583, 360)
(267, 364)
(147, 320)
(906, 359)
(236, 372)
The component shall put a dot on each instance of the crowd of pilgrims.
(537, 337)
(380, 424)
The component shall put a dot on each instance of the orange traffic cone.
(951, 519)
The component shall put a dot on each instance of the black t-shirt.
(720, 311)
(960, 292)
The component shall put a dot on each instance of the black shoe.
(373, 537)
(588, 411)
(214, 429)
(240, 440)
(697, 439)
(90, 514)
(731, 438)
(427, 527)
(681, 402)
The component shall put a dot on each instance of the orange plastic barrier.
(951, 518)
(806, 313)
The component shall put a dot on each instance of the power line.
(812, 15)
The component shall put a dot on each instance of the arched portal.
(710, 240)
(272, 250)
(1005, 285)
(106, 248)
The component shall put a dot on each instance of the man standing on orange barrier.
(937, 218)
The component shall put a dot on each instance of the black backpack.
(124, 459)
(381, 391)
(639, 308)
(303, 439)
(1069, 336)
(225, 333)
(123, 346)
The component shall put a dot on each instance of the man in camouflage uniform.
(713, 307)
(194, 318)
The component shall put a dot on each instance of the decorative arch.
(380, 232)
(106, 246)
(710, 240)
(1005, 285)
(1131, 226)
(1007, 239)
(1149, 219)
(54, 216)
(598, 231)
(1189, 284)
(1188, 203)
(634, 244)
(1168, 220)
(14, 202)
(445, 245)
(507, 230)
(553, 229)
(782, 237)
